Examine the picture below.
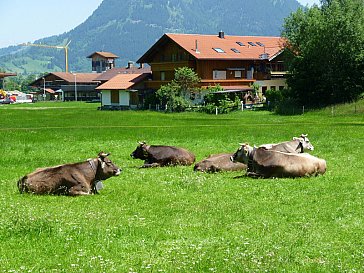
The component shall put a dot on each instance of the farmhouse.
(233, 62)
(67, 86)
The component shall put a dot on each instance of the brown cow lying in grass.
(219, 163)
(160, 155)
(265, 163)
(70, 179)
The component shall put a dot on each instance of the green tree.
(175, 93)
(186, 79)
(326, 46)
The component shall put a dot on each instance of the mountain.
(129, 28)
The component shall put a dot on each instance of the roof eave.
(152, 49)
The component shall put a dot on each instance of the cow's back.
(42, 180)
(270, 163)
(219, 162)
(170, 155)
(292, 146)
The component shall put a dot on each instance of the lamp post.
(44, 91)
(74, 74)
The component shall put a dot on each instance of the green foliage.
(20, 82)
(175, 93)
(224, 102)
(327, 52)
(186, 79)
(173, 219)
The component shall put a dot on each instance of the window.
(264, 90)
(235, 50)
(240, 43)
(219, 75)
(252, 44)
(163, 75)
(260, 44)
(218, 50)
(237, 73)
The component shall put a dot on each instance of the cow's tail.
(21, 184)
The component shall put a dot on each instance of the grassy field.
(172, 219)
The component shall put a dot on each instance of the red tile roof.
(80, 77)
(231, 50)
(108, 74)
(4, 74)
(123, 81)
(103, 54)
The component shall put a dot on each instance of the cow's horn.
(102, 154)
(243, 144)
(303, 135)
(141, 142)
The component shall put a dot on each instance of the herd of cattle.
(286, 159)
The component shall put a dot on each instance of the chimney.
(196, 47)
(141, 65)
(221, 34)
(130, 64)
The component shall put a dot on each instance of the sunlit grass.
(172, 219)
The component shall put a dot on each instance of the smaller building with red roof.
(123, 91)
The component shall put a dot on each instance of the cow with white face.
(265, 163)
(296, 145)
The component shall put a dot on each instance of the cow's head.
(242, 154)
(106, 167)
(305, 142)
(140, 151)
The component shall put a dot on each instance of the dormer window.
(252, 44)
(240, 43)
(260, 44)
(218, 50)
(235, 50)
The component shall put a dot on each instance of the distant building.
(65, 86)
(102, 61)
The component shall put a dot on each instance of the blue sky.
(28, 20)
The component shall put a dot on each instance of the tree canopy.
(326, 46)
(175, 93)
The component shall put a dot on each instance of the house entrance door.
(134, 99)
(114, 97)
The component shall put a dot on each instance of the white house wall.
(106, 97)
(276, 83)
(124, 98)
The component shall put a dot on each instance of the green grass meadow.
(173, 219)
